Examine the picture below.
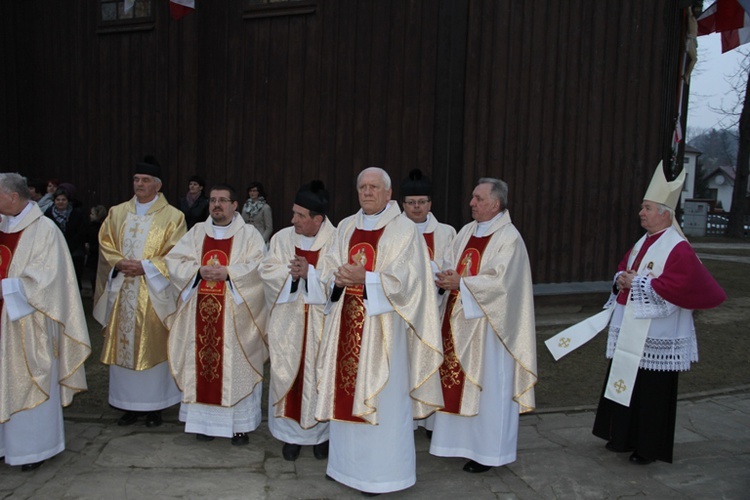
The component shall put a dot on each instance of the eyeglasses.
(414, 203)
(214, 201)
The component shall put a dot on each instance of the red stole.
(429, 238)
(8, 244)
(209, 325)
(451, 374)
(293, 398)
(363, 251)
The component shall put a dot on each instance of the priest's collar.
(482, 227)
(143, 208)
(305, 242)
(13, 220)
(422, 226)
(369, 221)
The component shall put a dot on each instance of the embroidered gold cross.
(135, 230)
(564, 342)
(620, 386)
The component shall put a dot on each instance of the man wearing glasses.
(216, 349)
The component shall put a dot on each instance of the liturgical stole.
(429, 238)
(293, 398)
(363, 251)
(452, 375)
(8, 244)
(209, 325)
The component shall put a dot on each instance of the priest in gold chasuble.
(291, 276)
(133, 296)
(489, 339)
(216, 345)
(380, 353)
(44, 340)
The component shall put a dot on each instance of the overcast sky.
(710, 87)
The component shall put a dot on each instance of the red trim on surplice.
(8, 244)
(451, 374)
(429, 238)
(209, 325)
(293, 398)
(362, 250)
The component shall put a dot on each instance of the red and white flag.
(180, 8)
(731, 19)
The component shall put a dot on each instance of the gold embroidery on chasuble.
(209, 325)
(362, 251)
(452, 376)
(132, 296)
(293, 398)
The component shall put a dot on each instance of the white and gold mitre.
(661, 191)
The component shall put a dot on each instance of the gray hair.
(15, 183)
(383, 175)
(499, 190)
(661, 208)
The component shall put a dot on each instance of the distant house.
(720, 183)
(690, 163)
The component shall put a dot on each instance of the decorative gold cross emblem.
(620, 386)
(564, 342)
(135, 230)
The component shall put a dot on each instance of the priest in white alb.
(295, 323)
(44, 340)
(489, 337)
(133, 297)
(380, 352)
(216, 344)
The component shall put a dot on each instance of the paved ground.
(557, 458)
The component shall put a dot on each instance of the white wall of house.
(690, 163)
(724, 187)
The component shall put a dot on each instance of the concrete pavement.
(558, 457)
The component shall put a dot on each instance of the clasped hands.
(350, 275)
(625, 279)
(448, 279)
(214, 272)
(130, 268)
(298, 268)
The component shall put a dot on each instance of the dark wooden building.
(572, 103)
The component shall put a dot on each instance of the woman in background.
(257, 212)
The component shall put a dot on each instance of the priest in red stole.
(43, 335)
(658, 284)
(416, 196)
(380, 353)
(216, 345)
(489, 337)
(290, 274)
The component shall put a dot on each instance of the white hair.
(383, 175)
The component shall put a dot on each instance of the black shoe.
(204, 437)
(128, 418)
(30, 467)
(635, 458)
(321, 450)
(153, 419)
(329, 478)
(476, 467)
(612, 447)
(428, 433)
(240, 439)
(367, 494)
(290, 452)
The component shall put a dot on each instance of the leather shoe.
(128, 418)
(428, 433)
(635, 458)
(321, 450)
(476, 467)
(290, 452)
(240, 439)
(612, 447)
(30, 467)
(153, 419)
(204, 437)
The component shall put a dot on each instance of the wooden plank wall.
(569, 102)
